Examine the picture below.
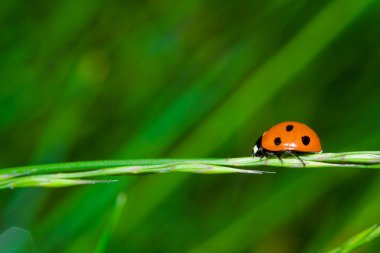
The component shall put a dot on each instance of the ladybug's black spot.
(277, 141)
(305, 140)
(289, 128)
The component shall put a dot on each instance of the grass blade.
(69, 174)
(358, 240)
(117, 210)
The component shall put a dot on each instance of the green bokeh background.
(95, 80)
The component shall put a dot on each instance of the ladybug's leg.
(279, 157)
(295, 155)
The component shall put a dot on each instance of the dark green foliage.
(100, 80)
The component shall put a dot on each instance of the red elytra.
(287, 137)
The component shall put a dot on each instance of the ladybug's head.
(258, 149)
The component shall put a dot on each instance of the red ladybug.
(288, 137)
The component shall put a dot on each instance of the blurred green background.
(94, 80)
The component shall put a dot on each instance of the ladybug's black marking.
(277, 141)
(305, 140)
(289, 128)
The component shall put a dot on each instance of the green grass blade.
(358, 240)
(115, 216)
(69, 174)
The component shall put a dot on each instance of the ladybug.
(288, 137)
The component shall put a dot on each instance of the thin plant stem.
(358, 240)
(77, 173)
